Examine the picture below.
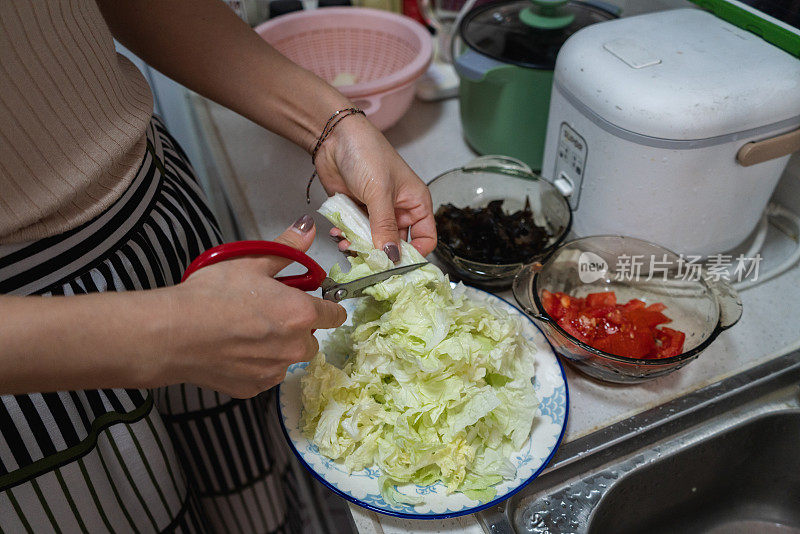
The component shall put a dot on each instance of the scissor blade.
(349, 290)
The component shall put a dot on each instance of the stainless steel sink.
(724, 459)
(738, 479)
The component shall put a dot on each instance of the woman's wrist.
(155, 363)
(321, 117)
(336, 144)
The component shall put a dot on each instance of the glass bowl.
(491, 178)
(698, 305)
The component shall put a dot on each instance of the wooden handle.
(767, 149)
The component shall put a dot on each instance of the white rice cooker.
(672, 127)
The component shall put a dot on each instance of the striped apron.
(178, 458)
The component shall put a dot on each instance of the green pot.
(505, 112)
(506, 71)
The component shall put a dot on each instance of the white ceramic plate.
(361, 487)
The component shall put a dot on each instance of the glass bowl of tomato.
(493, 216)
(625, 310)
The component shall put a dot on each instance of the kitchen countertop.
(264, 178)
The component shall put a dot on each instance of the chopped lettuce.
(427, 384)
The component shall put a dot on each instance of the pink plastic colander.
(383, 52)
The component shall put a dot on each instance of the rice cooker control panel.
(570, 164)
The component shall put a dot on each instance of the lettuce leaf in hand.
(426, 384)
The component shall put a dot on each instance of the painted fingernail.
(303, 224)
(392, 251)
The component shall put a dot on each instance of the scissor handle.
(309, 281)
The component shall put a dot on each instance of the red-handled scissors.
(314, 278)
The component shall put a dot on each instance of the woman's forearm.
(203, 45)
(230, 327)
(83, 342)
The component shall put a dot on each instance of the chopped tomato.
(553, 305)
(645, 318)
(634, 304)
(572, 329)
(671, 342)
(633, 344)
(630, 329)
(597, 300)
(599, 311)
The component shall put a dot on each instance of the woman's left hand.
(358, 161)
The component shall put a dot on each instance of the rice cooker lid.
(528, 33)
(679, 75)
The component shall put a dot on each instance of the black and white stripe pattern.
(175, 459)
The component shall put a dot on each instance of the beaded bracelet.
(326, 131)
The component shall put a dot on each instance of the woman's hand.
(236, 330)
(358, 161)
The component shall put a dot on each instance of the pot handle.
(504, 162)
(767, 149)
(728, 300)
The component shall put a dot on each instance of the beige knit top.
(73, 115)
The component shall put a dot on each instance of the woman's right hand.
(235, 329)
